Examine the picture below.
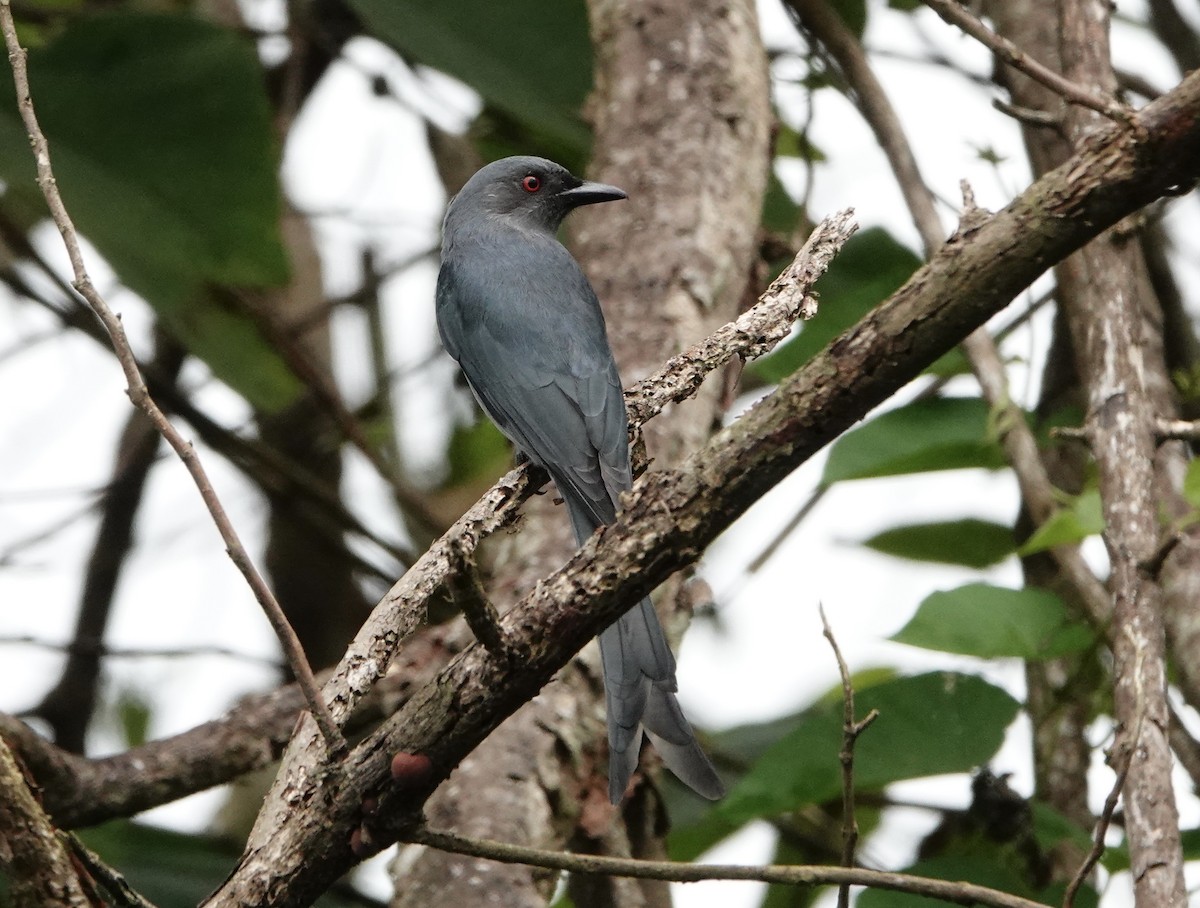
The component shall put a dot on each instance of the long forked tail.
(639, 688)
(639, 682)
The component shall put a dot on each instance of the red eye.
(531, 183)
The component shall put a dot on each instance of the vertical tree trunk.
(1115, 327)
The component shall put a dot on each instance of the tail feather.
(639, 689)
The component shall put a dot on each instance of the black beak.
(589, 193)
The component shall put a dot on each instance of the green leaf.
(1084, 517)
(992, 622)
(948, 365)
(792, 144)
(161, 139)
(476, 450)
(941, 433)
(870, 268)
(969, 542)
(929, 724)
(853, 13)
(780, 212)
(528, 58)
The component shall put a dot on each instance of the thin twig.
(100, 649)
(958, 15)
(1177, 429)
(851, 729)
(122, 894)
(675, 872)
(140, 395)
(1106, 815)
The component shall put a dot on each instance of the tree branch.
(33, 861)
(958, 15)
(675, 872)
(302, 840)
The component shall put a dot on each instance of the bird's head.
(533, 193)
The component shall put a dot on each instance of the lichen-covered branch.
(673, 514)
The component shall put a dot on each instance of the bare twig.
(140, 395)
(1177, 429)
(99, 649)
(120, 892)
(851, 729)
(958, 15)
(1124, 757)
(798, 875)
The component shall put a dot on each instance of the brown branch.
(958, 15)
(671, 871)
(302, 839)
(69, 704)
(139, 394)
(33, 861)
(1102, 302)
(851, 729)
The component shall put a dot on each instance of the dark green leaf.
(477, 450)
(992, 622)
(969, 542)
(1083, 518)
(950, 364)
(853, 13)
(163, 148)
(929, 724)
(792, 144)
(941, 433)
(526, 57)
(780, 213)
(869, 269)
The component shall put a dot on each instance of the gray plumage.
(516, 312)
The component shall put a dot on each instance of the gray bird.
(516, 312)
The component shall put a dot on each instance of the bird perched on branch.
(516, 312)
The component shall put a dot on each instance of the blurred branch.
(68, 706)
(99, 650)
(1176, 34)
(140, 395)
(944, 890)
(958, 15)
(671, 515)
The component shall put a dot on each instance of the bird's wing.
(539, 363)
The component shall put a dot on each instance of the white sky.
(353, 152)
